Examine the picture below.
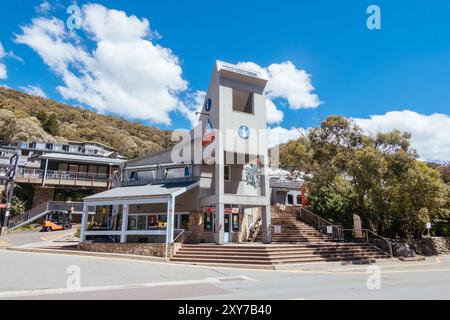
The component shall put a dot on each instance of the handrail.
(255, 230)
(338, 233)
(176, 238)
(322, 225)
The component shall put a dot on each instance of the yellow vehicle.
(57, 221)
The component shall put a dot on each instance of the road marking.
(39, 292)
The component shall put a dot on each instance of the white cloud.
(274, 115)
(280, 135)
(430, 133)
(3, 72)
(193, 104)
(126, 73)
(34, 91)
(44, 7)
(288, 83)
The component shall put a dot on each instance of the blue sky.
(355, 71)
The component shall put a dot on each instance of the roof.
(139, 192)
(83, 159)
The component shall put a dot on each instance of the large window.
(242, 101)
(209, 222)
(236, 224)
(290, 198)
(227, 173)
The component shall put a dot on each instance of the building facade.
(213, 187)
(64, 174)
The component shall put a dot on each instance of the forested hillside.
(25, 117)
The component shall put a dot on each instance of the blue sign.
(244, 132)
(208, 105)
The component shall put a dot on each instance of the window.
(103, 170)
(227, 173)
(299, 200)
(242, 101)
(290, 199)
(134, 176)
(63, 167)
(236, 223)
(209, 222)
(185, 222)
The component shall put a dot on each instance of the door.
(227, 228)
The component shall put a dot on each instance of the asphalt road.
(26, 237)
(48, 276)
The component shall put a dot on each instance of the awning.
(142, 192)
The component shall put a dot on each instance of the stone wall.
(141, 249)
(430, 246)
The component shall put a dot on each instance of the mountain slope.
(22, 117)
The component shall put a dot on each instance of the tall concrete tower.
(234, 119)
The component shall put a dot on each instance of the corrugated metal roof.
(148, 191)
(77, 158)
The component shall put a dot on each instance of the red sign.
(3, 206)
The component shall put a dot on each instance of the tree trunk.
(363, 212)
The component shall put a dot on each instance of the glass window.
(132, 223)
(142, 223)
(63, 167)
(92, 169)
(102, 170)
(185, 222)
(290, 199)
(227, 173)
(299, 200)
(236, 223)
(209, 222)
(242, 101)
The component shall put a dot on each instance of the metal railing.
(325, 227)
(36, 212)
(289, 184)
(147, 181)
(337, 233)
(30, 174)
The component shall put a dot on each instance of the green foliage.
(17, 206)
(50, 125)
(25, 117)
(376, 177)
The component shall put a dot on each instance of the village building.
(161, 198)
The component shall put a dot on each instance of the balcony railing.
(289, 184)
(31, 175)
(147, 181)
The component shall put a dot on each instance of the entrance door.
(227, 229)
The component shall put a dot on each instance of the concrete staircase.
(267, 255)
(293, 231)
(297, 243)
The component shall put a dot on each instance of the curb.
(86, 254)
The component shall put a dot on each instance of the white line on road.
(30, 293)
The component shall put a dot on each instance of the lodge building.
(159, 199)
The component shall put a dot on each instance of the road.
(46, 276)
(25, 237)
